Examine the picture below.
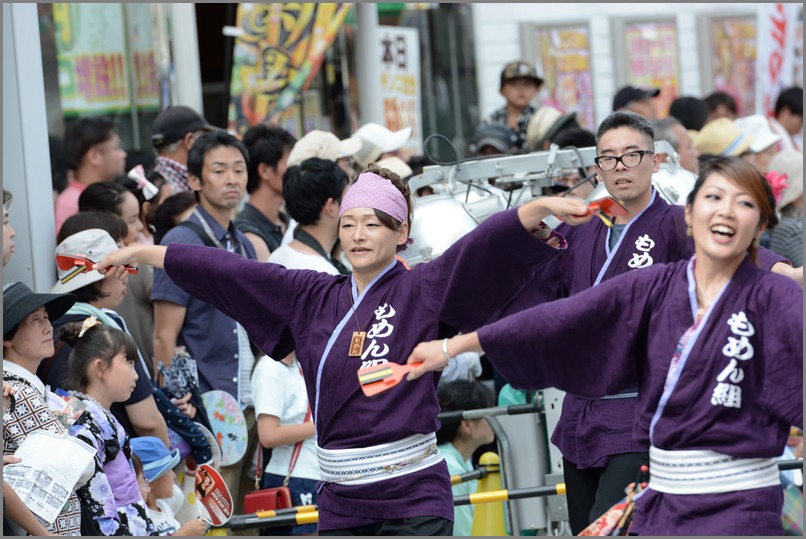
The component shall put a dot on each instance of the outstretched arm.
(153, 255)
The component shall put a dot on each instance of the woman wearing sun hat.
(721, 137)
(27, 339)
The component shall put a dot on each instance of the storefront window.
(99, 60)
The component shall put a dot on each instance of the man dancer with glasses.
(600, 455)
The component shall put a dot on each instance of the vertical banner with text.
(776, 53)
(399, 54)
(276, 56)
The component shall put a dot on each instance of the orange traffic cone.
(488, 518)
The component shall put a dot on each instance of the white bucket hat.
(92, 243)
(757, 127)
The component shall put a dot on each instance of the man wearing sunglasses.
(600, 456)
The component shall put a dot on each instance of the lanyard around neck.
(209, 232)
(306, 239)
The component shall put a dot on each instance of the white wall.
(498, 41)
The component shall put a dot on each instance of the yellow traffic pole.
(488, 518)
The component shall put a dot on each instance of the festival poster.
(652, 60)
(399, 54)
(91, 56)
(277, 53)
(733, 61)
(564, 59)
(776, 53)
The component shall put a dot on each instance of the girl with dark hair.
(113, 197)
(173, 210)
(101, 372)
(716, 345)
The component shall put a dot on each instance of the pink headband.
(372, 191)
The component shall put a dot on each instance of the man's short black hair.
(722, 98)
(691, 111)
(308, 186)
(209, 141)
(791, 98)
(266, 144)
(82, 135)
(623, 118)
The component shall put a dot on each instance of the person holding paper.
(27, 339)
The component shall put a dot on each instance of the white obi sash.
(379, 462)
(708, 472)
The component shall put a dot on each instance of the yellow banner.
(277, 54)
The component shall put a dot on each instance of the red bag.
(271, 499)
(267, 499)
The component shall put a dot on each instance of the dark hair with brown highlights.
(387, 220)
(750, 179)
(98, 342)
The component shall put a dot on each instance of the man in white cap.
(379, 141)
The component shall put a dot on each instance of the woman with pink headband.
(381, 471)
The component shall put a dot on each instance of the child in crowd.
(156, 478)
(284, 424)
(459, 440)
(101, 371)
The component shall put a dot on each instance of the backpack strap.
(199, 232)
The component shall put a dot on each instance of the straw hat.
(722, 137)
(545, 124)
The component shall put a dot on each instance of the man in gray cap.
(173, 133)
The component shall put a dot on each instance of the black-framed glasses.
(629, 159)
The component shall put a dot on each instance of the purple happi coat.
(739, 390)
(311, 312)
(591, 431)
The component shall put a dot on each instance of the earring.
(755, 244)
(688, 231)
